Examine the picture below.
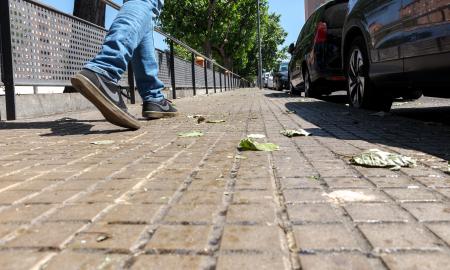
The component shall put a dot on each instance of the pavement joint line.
(219, 220)
(395, 202)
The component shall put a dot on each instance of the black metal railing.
(42, 46)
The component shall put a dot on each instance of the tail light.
(321, 33)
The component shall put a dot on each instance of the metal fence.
(41, 46)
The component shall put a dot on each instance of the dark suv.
(316, 59)
(396, 48)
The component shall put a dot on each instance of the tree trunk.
(90, 10)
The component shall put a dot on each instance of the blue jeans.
(131, 38)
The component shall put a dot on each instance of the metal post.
(7, 61)
(131, 83)
(214, 77)
(193, 74)
(259, 49)
(172, 70)
(220, 79)
(229, 82)
(206, 75)
(225, 80)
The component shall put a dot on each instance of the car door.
(426, 30)
(384, 26)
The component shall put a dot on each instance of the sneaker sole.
(158, 115)
(110, 111)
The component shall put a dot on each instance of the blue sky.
(292, 16)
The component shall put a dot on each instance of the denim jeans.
(131, 38)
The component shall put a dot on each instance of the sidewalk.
(152, 200)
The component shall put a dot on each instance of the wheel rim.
(356, 78)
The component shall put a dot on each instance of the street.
(79, 193)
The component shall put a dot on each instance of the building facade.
(311, 5)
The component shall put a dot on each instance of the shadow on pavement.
(61, 127)
(345, 123)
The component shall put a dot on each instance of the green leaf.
(250, 145)
(215, 121)
(294, 133)
(106, 142)
(190, 134)
(381, 159)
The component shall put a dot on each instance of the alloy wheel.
(356, 78)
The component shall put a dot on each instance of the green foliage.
(226, 30)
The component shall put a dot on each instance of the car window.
(334, 16)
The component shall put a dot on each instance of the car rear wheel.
(309, 85)
(361, 91)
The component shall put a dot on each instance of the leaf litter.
(295, 133)
(343, 196)
(256, 136)
(249, 144)
(380, 159)
(190, 134)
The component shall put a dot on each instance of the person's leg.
(145, 66)
(126, 32)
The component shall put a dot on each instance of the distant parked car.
(396, 48)
(316, 59)
(265, 79)
(281, 77)
(270, 82)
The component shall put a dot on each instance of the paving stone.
(412, 195)
(303, 195)
(335, 262)
(297, 183)
(250, 214)
(345, 182)
(100, 196)
(398, 237)
(6, 229)
(442, 230)
(252, 197)
(376, 212)
(304, 213)
(77, 212)
(174, 237)
(11, 196)
(426, 212)
(250, 261)
(324, 237)
(250, 238)
(198, 197)
(46, 235)
(23, 213)
(119, 237)
(157, 262)
(70, 260)
(151, 196)
(132, 214)
(53, 196)
(253, 184)
(181, 213)
(391, 182)
(433, 261)
(13, 260)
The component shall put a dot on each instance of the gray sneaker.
(161, 109)
(106, 96)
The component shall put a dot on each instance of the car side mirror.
(291, 48)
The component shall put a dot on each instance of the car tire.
(310, 89)
(361, 91)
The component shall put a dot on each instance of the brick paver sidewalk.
(153, 200)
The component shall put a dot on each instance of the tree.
(224, 30)
(90, 10)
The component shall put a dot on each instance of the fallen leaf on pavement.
(200, 119)
(215, 121)
(289, 112)
(250, 145)
(294, 133)
(106, 142)
(102, 237)
(342, 196)
(190, 134)
(195, 116)
(381, 159)
(256, 136)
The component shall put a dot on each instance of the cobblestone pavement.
(153, 200)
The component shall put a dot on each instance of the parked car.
(270, 82)
(281, 77)
(316, 59)
(265, 79)
(396, 48)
